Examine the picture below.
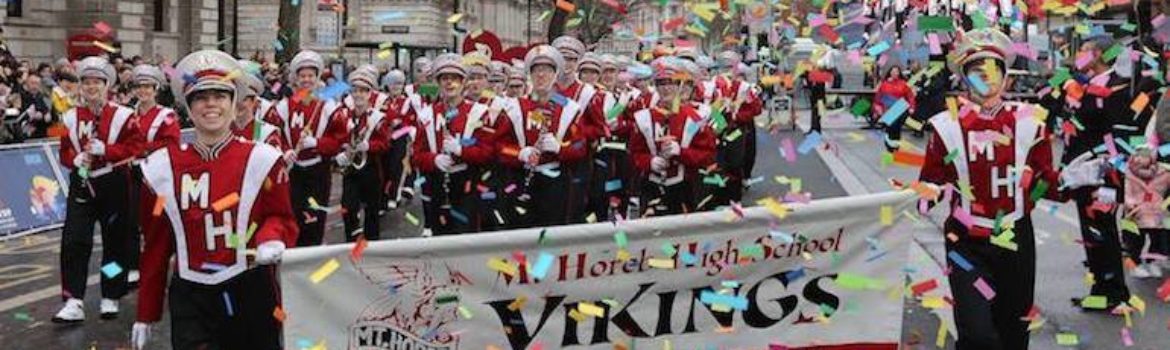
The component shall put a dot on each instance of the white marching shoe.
(72, 312)
(109, 309)
(427, 232)
(1145, 271)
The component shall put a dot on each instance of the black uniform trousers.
(995, 323)
(454, 206)
(611, 176)
(106, 206)
(310, 182)
(236, 314)
(662, 200)
(553, 200)
(361, 193)
(1102, 247)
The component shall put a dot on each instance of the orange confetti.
(159, 202)
(566, 6)
(279, 314)
(358, 248)
(226, 202)
(907, 158)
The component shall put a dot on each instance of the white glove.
(526, 154)
(308, 142)
(671, 149)
(269, 253)
(290, 157)
(364, 146)
(81, 161)
(659, 164)
(1082, 172)
(444, 163)
(451, 146)
(341, 159)
(547, 143)
(96, 148)
(139, 334)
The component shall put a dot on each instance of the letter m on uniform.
(195, 190)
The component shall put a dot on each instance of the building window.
(15, 8)
(160, 15)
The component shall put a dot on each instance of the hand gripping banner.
(823, 275)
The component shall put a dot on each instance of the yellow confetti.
(934, 302)
(104, 46)
(518, 304)
(661, 263)
(410, 217)
(576, 315)
(887, 215)
(590, 309)
(324, 271)
(502, 266)
(455, 18)
(940, 339)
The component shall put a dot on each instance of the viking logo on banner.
(31, 196)
(829, 273)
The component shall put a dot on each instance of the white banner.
(827, 275)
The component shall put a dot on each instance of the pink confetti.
(789, 150)
(935, 46)
(1158, 21)
(963, 216)
(984, 289)
(102, 27)
(400, 132)
(1110, 146)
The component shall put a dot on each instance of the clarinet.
(446, 204)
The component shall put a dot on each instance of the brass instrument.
(357, 159)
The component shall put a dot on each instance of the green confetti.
(449, 298)
(1039, 190)
(1095, 302)
(621, 239)
(429, 90)
(950, 157)
(1067, 339)
(615, 111)
(1112, 53)
(858, 282)
(935, 23)
(861, 108)
(668, 249)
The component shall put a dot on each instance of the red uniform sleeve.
(156, 260)
(168, 133)
(507, 147)
(380, 138)
(129, 144)
(595, 118)
(749, 109)
(67, 152)
(936, 169)
(336, 133)
(422, 157)
(483, 150)
(273, 210)
(701, 152)
(573, 146)
(1040, 160)
(639, 151)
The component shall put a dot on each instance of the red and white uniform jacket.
(528, 119)
(591, 98)
(114, 125)
(1001, 157)
(161, 128)
(208, 198)
(652, 126)
(325, 120)
(466, 122)
(732, 90)
(372, 127)
(266, 134)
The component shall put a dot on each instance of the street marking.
(28, 298)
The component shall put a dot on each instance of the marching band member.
(369, 141)
(738, 104)
(160, 128)
(609, 73)
(160, 124)
(517, 83)
(498, 78)
(449, 150)
(103, 138)
(1001, 176)
(477, 88)
(548, 142)
(669, 143)
(314, 129)
(249, 123)
(591, 121)
(611, 167)
(422, 75)
(208, 194)
(396, 164)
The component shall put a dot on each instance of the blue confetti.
(812, 140)
(112, 269)
(960, 260)
(895, 111)
(543, 263)
(227, 301)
